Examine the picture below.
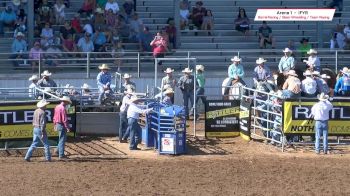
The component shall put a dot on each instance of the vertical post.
(39, 66)
(336, 61)
(155, 74)
(194, 99)
(30, 21)
(319, 27)
(138, 64)
(6, 146)
(88, 65)
(177, 21)
(188, 58)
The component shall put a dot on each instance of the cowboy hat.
(66, 99)
(322, 97)
(126, 75)
(169, 91)
(287, 50)
(344, 70)
(307, 73)
(19, 34)
(16, 2)
(46, 73)
(316, 73)
(260, 61)
(85, 86)
(200, 67)
(165, 87)
(33, 77)
(103, 66)
(168, 70)
(312, 51)
(42, 103)
(292, 73)
(236, 59)
(99, 10)
(325, 76)
(187, 70)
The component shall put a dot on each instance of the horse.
(234, 89)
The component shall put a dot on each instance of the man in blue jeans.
(123, 123)
(186, 84)
(320, 112)
(39, 131)
(60, 121)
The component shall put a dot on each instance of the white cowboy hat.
(260, 61)
(200, 67)
(187, 70)
(33, 77)
(126, 75)
(292, 73)
(169, 91)
(66, 99)
(168, 70)
(344, 70)
(85, 86)
(103, 66)
(46, 73)
(16, 2)
(236, 59)
(322, 97)
(325, 76)
(129, 91)
(42, 103)
(165, 87)
(316, 73)
(307, 73)
(19, 34)
(99, 10)
(312, 51)
(287, 50)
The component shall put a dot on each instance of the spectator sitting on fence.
(265, 36)
(304, 47)
(118, 52)
(197, 15)
(46, 35)
(262, 75)
(136, 27)
(18, 49)
(145, 39)
(342, 87)
(169, 96)
(104, 81)
(242, 22)
(99, 18)
(128, 83)
(292, 86)
(46, 81)
(168, 79)
(170, 29)
(85, 44)
(87, 8)
(317, 77)
(338, 39)
(287, 61)
(313, 62)
(184, 14)
(31, 89)
(76, 23)
(59, 12)
(7, 18)
(52, 56)
(235, 73)
(35, 54)
(113, 5)
(160, 95)
(308, 85)
(45, 12)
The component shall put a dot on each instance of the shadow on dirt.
(206, 146)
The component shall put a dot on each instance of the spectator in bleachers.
(66, 3)
(85, 43)
(122, 27)
(160, 46)
(128, 8)
(99, 39)
(52, 56)
(7, 18)
(291, 45)
(292, 86)
(170, 29)
(88, 28)
(304, 47)
(287, 61)
(347, 31)
(118, 52)
(18, 49)
(308, 85)
(67, 30)
(46, 35)
(208, 22)
(99, 18)
(136, 26)
(21, 21)
(242, 22)
(110, 18)
(59, 12)
(338, 38)
(145, 39)
(46, 81)
(338, 4)
(197, 15)
(45, 11)
(184, 14)
(113, 5)
(31, 89)
(35, 54)
(16, 5)
(69, 45)
(101, 3)
(76, 23)
(313, 62)
(265, 36)
(87, 8)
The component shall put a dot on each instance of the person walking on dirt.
(60, 120)
(320, 113)
(39, 131)
(123, 124)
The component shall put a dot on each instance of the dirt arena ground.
(102, 166)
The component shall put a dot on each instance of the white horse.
(234, 91)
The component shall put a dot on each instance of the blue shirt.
(19, 45)
(235, 70)
(85, 46)
(262, 73)
(343, 84)
(135, 110)
(286, 64)
(99, 39)
(8, 16)
(104, 79)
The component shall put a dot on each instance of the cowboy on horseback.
(235, 73)
(262, 75)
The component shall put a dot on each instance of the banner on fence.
(222, 118)
(244, 119)
(297, 114)
(16, 120)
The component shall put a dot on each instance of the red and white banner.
(294, 14)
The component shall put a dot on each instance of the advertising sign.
(297, 115)
(222, 118)
(244, 119)
(16, 120)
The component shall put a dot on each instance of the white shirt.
(114, 6)
(88, 28)
(184, 14)
(321, 109)
(135, 110)
(314, 61)
(309, 86)
(125, 103)
(31, 89)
